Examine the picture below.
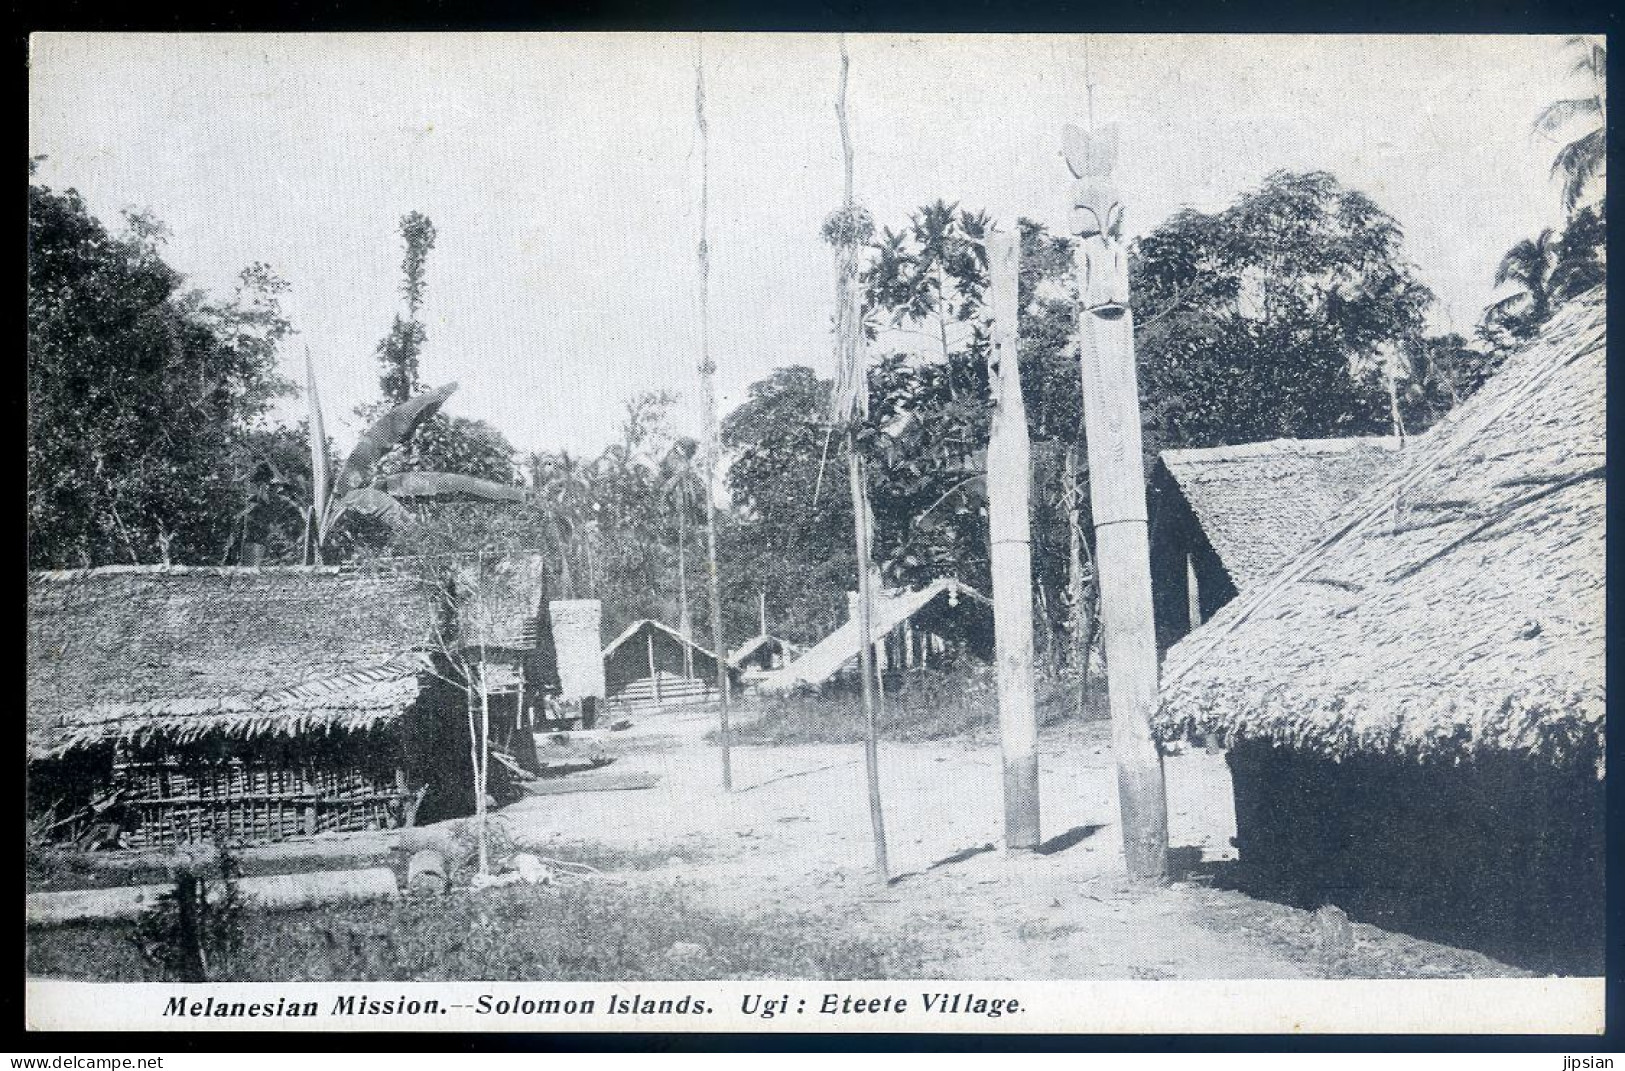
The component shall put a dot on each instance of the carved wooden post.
(1111, 410)
(1009, 474)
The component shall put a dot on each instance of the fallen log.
(589, 782)
(277, 892)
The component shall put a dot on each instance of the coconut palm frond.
(1558, 113)
(1579, 162)
(1526, 261)
(321, 466)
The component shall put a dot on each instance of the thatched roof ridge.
(128, 652)
(637, 627)
(1457, 607)
(1259, 504)
(887, 610)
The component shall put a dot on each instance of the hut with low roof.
(929, 626)
(1227, 518)
(169, 704)
(1414, 706)
(651, 666)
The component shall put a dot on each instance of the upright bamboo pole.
(1111, 407)
(1009, 477)
(708, 407)
(851, 404)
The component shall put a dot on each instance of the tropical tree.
(1529, 265)
(1582, 253)
(791, 535)
(1584, 158)
(682, 495)
(143, 397)
(1270, 319)
(932, 272)
(399, 351)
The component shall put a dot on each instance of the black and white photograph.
(816, 532)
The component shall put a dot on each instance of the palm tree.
(566, 487)
(1584, 158)
(1529, 264)
(560, 527)
(682, 490)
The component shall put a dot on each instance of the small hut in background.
(645, 669)
(177, 704)
(761, 655)
(1227, 519)
(934, 626)
(1414, 708)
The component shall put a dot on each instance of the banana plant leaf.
(392, 429)
(371, 502)
(446, 485)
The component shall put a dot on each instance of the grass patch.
(585, 931)
(926, 705)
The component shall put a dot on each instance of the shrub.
(926, 704)
(194, 932)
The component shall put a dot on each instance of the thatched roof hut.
(1456, 607)
(1262, 503)
(763, 652)
(1228, 518)
(649, 666)
(1414, 706)
(942, 606)
(263, 702)
(142, 651)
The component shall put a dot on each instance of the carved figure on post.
(1111, 409)
(1097, 219)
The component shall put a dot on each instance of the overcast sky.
(562, 175)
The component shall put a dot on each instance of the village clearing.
(789, 849)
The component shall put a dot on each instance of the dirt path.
(794, 835)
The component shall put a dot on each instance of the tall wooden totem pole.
(1111, 413)
(1009, 477)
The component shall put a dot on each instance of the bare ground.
(795, 834)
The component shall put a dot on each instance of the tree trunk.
(853, 377)
(866, 653)
(685, 619)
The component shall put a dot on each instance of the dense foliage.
(144, 398)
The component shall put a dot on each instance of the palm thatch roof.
(887, 610)
(139, 652)
(501, 596)
(1259, 504)
(1458, 607)
(133, 652)
(657, 628)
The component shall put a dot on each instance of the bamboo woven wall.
(173, 802)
